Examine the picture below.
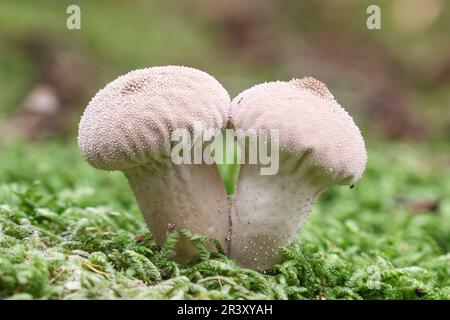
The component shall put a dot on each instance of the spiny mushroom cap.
(310, 122)
(131, 120)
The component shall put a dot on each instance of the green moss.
(69, 231)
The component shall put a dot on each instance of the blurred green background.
(395, 82)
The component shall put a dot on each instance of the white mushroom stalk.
(127, 126)
(320, 146)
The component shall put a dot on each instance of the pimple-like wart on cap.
(134, 86)
(315, 86)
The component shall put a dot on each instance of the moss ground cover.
(68, 231)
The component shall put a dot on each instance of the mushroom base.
(173, 197)
(269, 212)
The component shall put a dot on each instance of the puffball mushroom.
(127, 126)
(320, 146)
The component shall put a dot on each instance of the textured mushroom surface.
(320, 146)
(129, 122)
(127, 126)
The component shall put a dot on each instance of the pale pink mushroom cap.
(310, 120)
(130, 121)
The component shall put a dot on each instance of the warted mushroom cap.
(311, 123)
(130, 121)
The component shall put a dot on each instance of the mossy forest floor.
(68, 231)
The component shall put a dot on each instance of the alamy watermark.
(73, 21)
(373, 22)
(207, 146)
(370, 277)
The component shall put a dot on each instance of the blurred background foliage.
(395, 82)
